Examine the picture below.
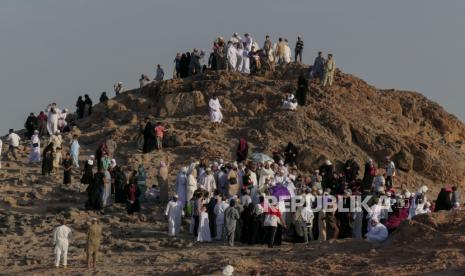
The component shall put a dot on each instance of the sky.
(57, 50)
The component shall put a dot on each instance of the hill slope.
(351, 118)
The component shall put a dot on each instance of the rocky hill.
(352, 118)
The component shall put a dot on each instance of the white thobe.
(232, 57)
(287, 54)
(378, 233)
(204, 234)
(191, 186)
(174, 213)
(264, 174)
(34, 156)
(207, 182)
(220, 207)
(181, 187)
(245, 62)
(374, 213)
(52, 122)
(239, 63)
(61, 237)
(215, 111)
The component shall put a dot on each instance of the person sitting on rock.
(216, 116)
(378, 232)
(289, 103)
(118, 88)
(144, 80)
(103, 97)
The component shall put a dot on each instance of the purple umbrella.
(279, 191)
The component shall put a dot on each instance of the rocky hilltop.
(352, 118)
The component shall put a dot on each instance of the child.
(204, 227)
(159, 131)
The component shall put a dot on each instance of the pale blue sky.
(56, 50)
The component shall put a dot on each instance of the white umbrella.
(261, 157)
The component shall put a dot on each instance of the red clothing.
(394, 220)
(159, 131)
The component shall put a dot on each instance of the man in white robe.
(374, 214)
(53, 115)
(34, 156)
(74, 151)
(174, 213)
(220, 207)
(248, 41)
(216, 116)
(61, 237)
(191, 181)
(290, 103)
(265, 173)
(232, 57)
(181, 185)
(62, 119)
(207, 181)
(240, 61)
(236, 38)
(287, 52)
(378, 232)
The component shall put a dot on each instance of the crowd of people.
(229, 201)
(244, 55)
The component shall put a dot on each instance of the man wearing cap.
(94, 236)
(174, 213)
(207, 181)
(299, 48)
(61, 237)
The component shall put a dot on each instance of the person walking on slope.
(61, 237)
(13, 144)
(299, 49)
(330, 68)
(174, 213)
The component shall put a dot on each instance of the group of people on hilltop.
(244, 55)
(226, 200)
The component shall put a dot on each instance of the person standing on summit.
(330, 68)
(318, 67)
(299, 48)
(160, 74)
